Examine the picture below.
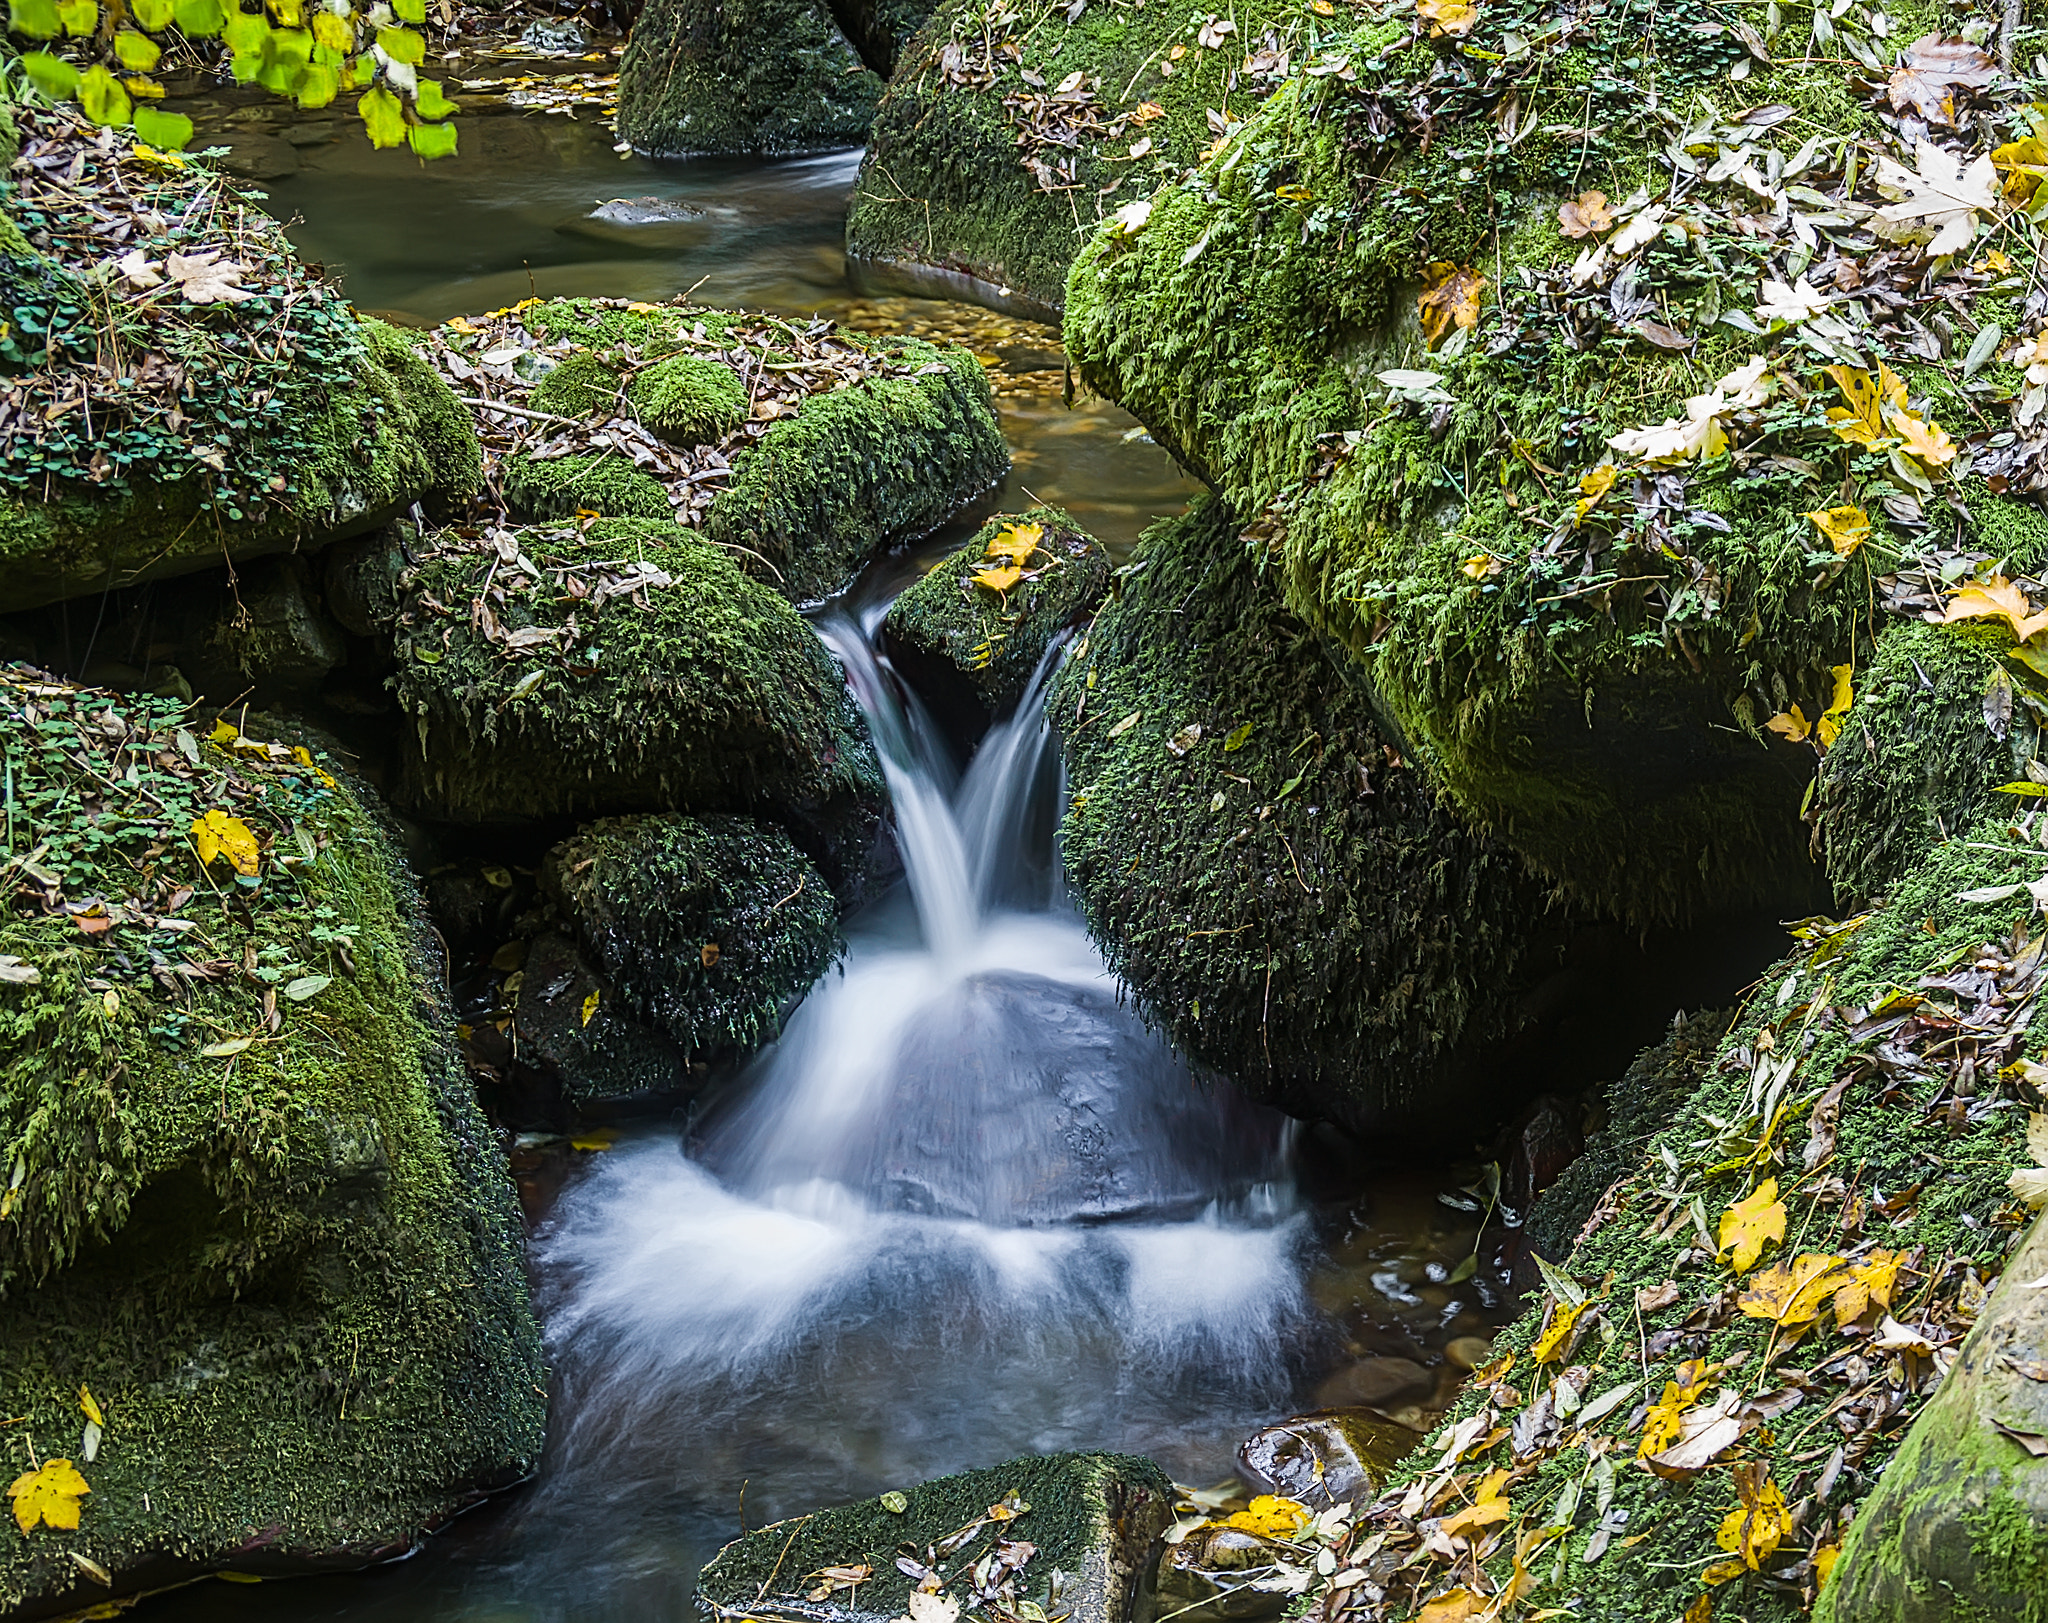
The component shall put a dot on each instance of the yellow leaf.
(707, 955)
(1824, 1558)
(1665, 1423)
(1791, 1295)
(594, 1142)
(49, 1495)
(91, 1408)
(590, 1006)
(1997, 598)
(1829, 727)
(1700, 1610)
(1270, 1516)
(1871, 1280)
(217, 834)
(1585, 215)
(1862, 422)
(334, 33)
(1294, 194)
(1846, 528)
(1455, 18)
(1762, 1522)
(1790, 724)
(1926, 443)
(1749, 1224)
(1457, 1606)
(1450, 296)
(224, 733)
(1480, 565)
(2025, 165)
(1551, 1344)
(1014, 543)
(999, 579)
(1488, 1508)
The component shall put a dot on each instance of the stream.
(967, 1207)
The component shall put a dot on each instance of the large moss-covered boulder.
(743, 78)
(1283, 891)
(1079, 1548)
(803, 449)
(693, 939)
(1958, 1527)
(971, 646)
(1488, 328)
(624, 666)
(259, 1255)
(1000, 145)
(155, 425)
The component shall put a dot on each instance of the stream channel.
(968, 1207)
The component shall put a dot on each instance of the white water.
(894, 1255)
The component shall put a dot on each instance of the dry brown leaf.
(1586, 215)
(1925, 82)
(1450, 298)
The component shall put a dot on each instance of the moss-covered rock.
(970, 650)
(767, 78)
(706, 931)
(1282, 890)
(1092, 1519)
(267, 425)
(1363, 323)
(1958, 1527)
(986, 169)
(624, 666)
(251, 1206)
(805, 449)
(879, 29)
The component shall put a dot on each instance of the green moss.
(561, 487)
(690, 400)
(1285, 894)
(290, 1275)
(710, 929)
(971, 651)
(766, 77)
(714, 696)
(943, 185)
(582, 386)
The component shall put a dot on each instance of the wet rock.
(272, 634)
(970, 650)
(742, 77)
(609, 1055)
(315, 133)
(1958, 1524)
(1210, 1577)
(656, 224)
(553, 36)
(1468, 1352)
(1331, 1457)
(1376, 1383)
(880, 29)
(1093, 1518)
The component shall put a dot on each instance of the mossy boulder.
(970, 650)
(1958, 1526)
(804, 449)
(743, 78)
(235, 429)
(987, 169)
(625, 666)
(1092, 1520)
(879, 29)
(1362, 321)
(703, 931)
(1283, 891)
(251, 1205)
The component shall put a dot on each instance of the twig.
(518, 411)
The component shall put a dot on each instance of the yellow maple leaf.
(1557, 1336)
(1586, 215)
(1791, 1295)
(1015, 543)
(217, 834)
(1665, 1422)
(1489, 1507)
(1846, 528)
(1926, 443)
(1755, 1528)
(1594, 484)
(1862, 423)
(1790, 724)
(1829, 727)
(1480, 565)
(1871, 1280)
(1455, 1606)
(2024, 165)
(1996, 598)
(1455, 18)
(1449, 298)
(999, 578)
(48, 1495)
(1270, 1516)
(1752, 1222)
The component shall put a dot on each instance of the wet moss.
(1283, 891)
(713, 696)
(562, 487)
(582, 386)
(290, 1275)
(690, 400)
(708, 929)
(972, 651)
(742, 77)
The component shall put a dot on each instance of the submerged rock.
(1086, 1539)
(1330, 1457)
(971, 650)
(804, 449)
(625, 666)
(254, 1215)
(768, 78)
(694, 939)
(208, 441)
(656, 224)
(998, 147)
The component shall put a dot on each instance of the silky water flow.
(967, 1208)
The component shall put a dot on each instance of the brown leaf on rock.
(1449, 299)
(1933, 68)
(1585, 215)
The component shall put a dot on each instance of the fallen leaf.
(1790, 302)
(2032, 1441)
(1456, 1605)
(1585, 215)
(1791, 1294)
(1872, 1279)
(1015, 543)
(1557, 1335)
(1846, 528)
(1449, 299)
(1762, 1522)
(1488, 1509)
(1665, 1422)
(2024, 164)
(217, 834)
(1996, 598)
(590, 1006)
(1750, 1224)
(1214, 32)
(1594, 484)
(1270, 1516)
(998, 579)
(206, 278)
(1125, 725)
(1829, 727)
(2030, 1184)
(1452, 18)
(1704, 1433)
(307, 987)
(15, 972)
(1942, 194)
(90, 1407)
(49, 1495)
(707, 955)
(1930, 68)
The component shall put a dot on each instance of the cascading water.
(892, 1256)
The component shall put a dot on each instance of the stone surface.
(1333, 1456)
(1376, 1383)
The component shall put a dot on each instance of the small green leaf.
(431, 103)
(79, 17)
(137, 52)
(1291, 784)
(152, 15)
(35, 18)
(170, 132)
(201, 19)
(385, 120)
(432, 140)
(52, 75)
(363, 70)
(1237, 738)
(102, 97)
(895, 1503)
(318, 84)
(225, 1049)
(410, 11)
(426, 656)
(307, 986)
(245, 31)
(403, 45)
